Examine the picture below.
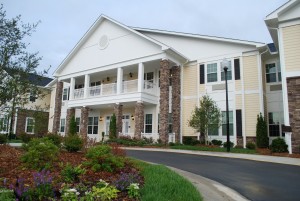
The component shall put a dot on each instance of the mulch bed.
(11, 168)
(268, 152)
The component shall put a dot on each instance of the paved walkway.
(212, 190)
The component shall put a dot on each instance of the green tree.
(72, 126)
(206, 117)
(262, 139)
(17, 65)
(113, 127)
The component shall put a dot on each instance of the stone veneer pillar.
(176, 91)
(70, 113)
(164, 101)
(293, 88)
(118, 109)
(84, 122)
(139, 119)
(57, 107)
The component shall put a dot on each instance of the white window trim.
(219, 70)
(148, 124)
(26, 124)
(93, 126)
(276, 73)
(68, 89)
(61, 125)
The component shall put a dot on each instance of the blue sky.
(63, 22)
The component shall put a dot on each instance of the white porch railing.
(130, 86)
(109, 89)
(95, 91)
(78, 93)
(149, 87)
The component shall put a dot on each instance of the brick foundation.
(293, 87)
(57, 107)
(70, 113)
(164, 101)
(176, 91)
(84, 122)
(139, 119)
(118, 109)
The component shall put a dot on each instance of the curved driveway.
(259, 181)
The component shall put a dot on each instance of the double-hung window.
(224, 123)
(4, 124)
(212, 72)
(273, 72)
(229, 72)
(275, 121)
(77, 124)
(62, 125)
(65, 95)
(148, 123)
(93, 125)
(29, 125)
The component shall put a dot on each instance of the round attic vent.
(103, 42)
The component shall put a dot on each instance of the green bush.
(55, 138)
(279, 146)
(262, 139)
(73, 143)
(217, 142)
(190, 141)
(25, 137)
(3, 139)
(101, 158)
(71, 174)
(225, 144)
(7, 194)
(41, 153)
(250, 145)
(113, 127)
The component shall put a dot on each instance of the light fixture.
(107, 78)
(132, 117)
(130, 74)
(100, 119)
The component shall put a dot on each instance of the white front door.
(126, 124)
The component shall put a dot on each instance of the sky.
(64, 22)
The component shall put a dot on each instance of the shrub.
(101, 158)
(116, 150)
(3, 139)
(71, 174)
(279, 146)
(217, 142)
(124, 181)
(133, 191)
(55, 138)
(113, 127)
(225, 144)
(73, 143)
(250, 145)
(262, 140)
(187, 140)
(171, 144)
(41, 153)
(7, 194)
(72, 126)
(25, 137)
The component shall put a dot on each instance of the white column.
(119, 80)
(72, 86)
(86, 85)
(141, 77)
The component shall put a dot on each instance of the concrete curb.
(261, 158)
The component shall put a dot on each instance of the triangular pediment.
(106, 43)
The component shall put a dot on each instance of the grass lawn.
(215, 149)
(163, 184)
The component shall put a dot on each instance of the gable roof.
(93, 28)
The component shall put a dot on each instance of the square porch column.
(57, 107)
(120, 80)
(70, 114)
(141, 77)
(86, 85)
(164, 101)
(176, 92)
(72, 87)
(118, 109)
(139, 119)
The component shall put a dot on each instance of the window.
(93, 125)
(29, 125)
(107, 123)
(65, 94)
(275, 121)
(213, 131)
(224, 123)
(95, 83)
(4, 124)
(212, 74)
(148, 123)
(273, 73)
(229, 73)
(77, 124)
(62, 125)
(32, 97)
(148, 77)
(170, 122)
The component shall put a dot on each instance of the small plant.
(20, 190)
(133, 191)
(250, 145)
(71, 174)
(278, 146)
(25, 137)
(101, 158)
(125, 180)
(3, 139)
(105, 193)
(41, 153)
(171, 144)
(69, 194)
(7, 194)
(217, 142)
(73, 143)
(225, 144)
(55, 138)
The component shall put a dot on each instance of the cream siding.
(190, 80)
(188, 107)
(252, 109)
(238, 85)
(250, 72)
(291, 46)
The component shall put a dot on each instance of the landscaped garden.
(52, 168)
